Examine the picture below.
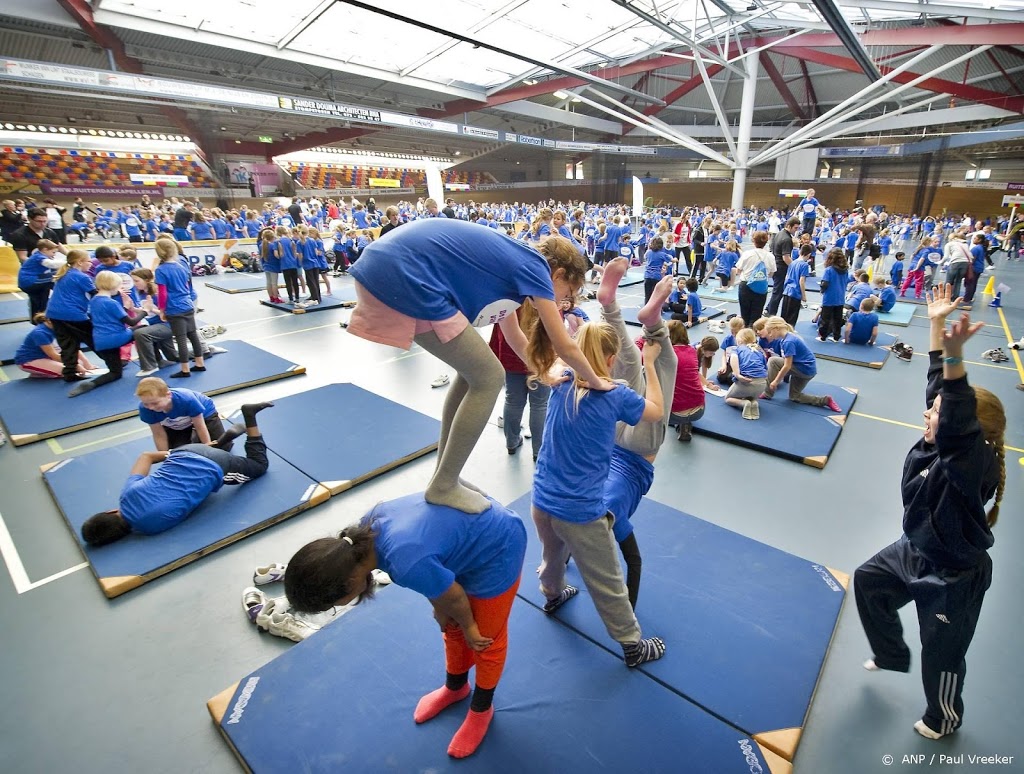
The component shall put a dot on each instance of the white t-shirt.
(54, 219)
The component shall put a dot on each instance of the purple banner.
(80, 190)
(1015, 186)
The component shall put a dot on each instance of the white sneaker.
(440, 381)
(501, 420)
(253, 601)
(215, 351)
(270, 573)
(299, 305)
(275, 619)
(148, 372)
(208, 331)
(312, 303)
(380, 577)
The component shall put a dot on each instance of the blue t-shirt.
(253, 228)
(185, 404)
(752, 362)
(175, 277)
(271, 262)
(163, 499)
(430, 269)
(897, 271)
(859, 292)
(656, 262)
(727, 261)
(427, 547)
(285, 247)
(808, 207)
(693, 305)
(863, 324)
(306, 253)
(887, 296)
(221, 229)
(202, 230)
(577, 449)
(32, 272)
(835, 293)
(793, 346)
(108, 323)
(629, 478)
(797, 270)
(32, 347)
(70, 299)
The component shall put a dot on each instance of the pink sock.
(613, 272)
(435, 701)
(471, 733)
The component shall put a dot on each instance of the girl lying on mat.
(39, 355)
(178, 416)
(151, 503)
(941, 562)
(432, 281)
(468, 568)
(595, 464)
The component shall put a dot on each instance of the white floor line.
(16, 568)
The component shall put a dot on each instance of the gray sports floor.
(91, 685)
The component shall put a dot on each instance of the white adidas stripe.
(947, 696)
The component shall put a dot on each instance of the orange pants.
(491, 617)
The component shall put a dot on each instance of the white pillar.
(739, 180)
(435, 188)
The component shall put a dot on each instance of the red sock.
(471, 733)
(435, 701)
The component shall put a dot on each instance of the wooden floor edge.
(218, 705)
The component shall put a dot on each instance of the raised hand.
(941, 302)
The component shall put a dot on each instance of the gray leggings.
(798, 382)
(183, 327)
(644, 438)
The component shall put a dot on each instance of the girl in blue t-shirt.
(174, 286)
(431, 281)
(178, 416)
(659, 262)
(834, 280)
(305, 251)
(35, 276)
(284, 250)
(797, 362)
(68, 311)
(919, 263)
(726, 262)
(749, 369)
(266, 244)
(39, 356)
(570, 504)
(200, 227)
(111, 330)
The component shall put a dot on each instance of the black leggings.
(649, 286)
(831, 322)
(237, 470)
(71, 334)
(684, 251)
(634, 565)
(790, 309)
(700, 267)
(313, 284)
(183, 327)
(188, 435)
(751, 304)
(291, 283)
(112, 360)
(38, 296)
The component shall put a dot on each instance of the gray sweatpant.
(798, 382)
(593, 548)
(644, 438)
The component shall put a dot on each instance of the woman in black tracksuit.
(941, 562)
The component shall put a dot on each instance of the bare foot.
(613, 272)
(650, 315)
(458, 497)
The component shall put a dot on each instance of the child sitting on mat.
(469, 569)
(691, 378)
(749, 372)
(941, 562)
(39, 356)
(724, 375)
(111, 330)
(862, 326)
(178, 416)
(582, 442)
(432, 281)
(885, 293)
(153, 502)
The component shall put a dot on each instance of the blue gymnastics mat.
(901, 314)
(11, 337)
(240, 282)
(874, 356)
(729, 294)
(82, 486)
(367, 435)
(633, 276)
(746, 626)
(629, 314)
(338, 300)
(332, 704)
(22, 400)
(14, 310)
(793, 431)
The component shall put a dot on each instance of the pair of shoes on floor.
(902, 351)
(996, 355)
(441, 381)
(269, 573)
(716, 327)
(275, 618)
